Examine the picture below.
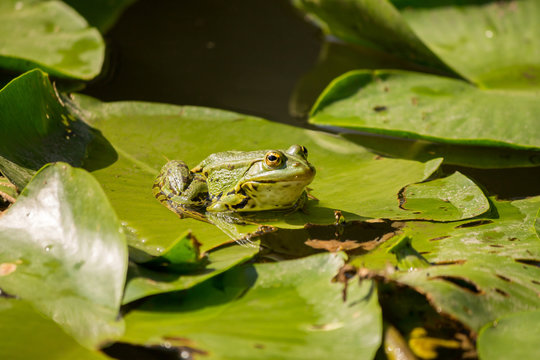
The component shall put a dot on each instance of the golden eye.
(273, 159)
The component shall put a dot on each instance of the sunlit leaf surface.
(290, 309)
(143, 281)
(133, 140)
(62, 250)
(475, 270)
(420, 106)
(26, 334)
(511, 337)
(491, 43)
(49, 35)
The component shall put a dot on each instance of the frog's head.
(279, 178)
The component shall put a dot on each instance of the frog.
(236, 182)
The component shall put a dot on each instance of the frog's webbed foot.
(229, 224)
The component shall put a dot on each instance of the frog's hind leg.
(180, 190)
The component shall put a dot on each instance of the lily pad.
(491, 43)
(476, 270)
(37, 129)
(429, 107)
(511, 337)
(130, 141)
(26, 334)
(371, 23)
(62, 250)
(49, 35)
(476, 156)
(142, 281)
(290, 309)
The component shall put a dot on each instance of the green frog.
(236, 182)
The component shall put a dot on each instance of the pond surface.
(249, 56)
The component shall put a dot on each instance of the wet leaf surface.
(480, 269)
(49, 35)
(131, 141)
(26, 334)
(144, 281)
(290, 309)
(514, 336)
(62, 250)
(429, 107)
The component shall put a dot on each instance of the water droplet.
(167, 345)
(184, 354)
(489, 34)
(48, 248)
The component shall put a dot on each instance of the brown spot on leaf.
(333, 245)
(502, 292)
(450, 262)
(503, 278)
(7, 268)
(439, 238)
(379, 108)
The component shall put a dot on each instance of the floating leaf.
(62, 250)
(142, 281)
(37, 129)
(429, 107)
(49, 35)
(26, 334)
(481, 269)
(135, 139)
(290, 309)
(490, 43)
(373, 23)
(511, 337)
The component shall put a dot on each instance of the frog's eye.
(273, 159)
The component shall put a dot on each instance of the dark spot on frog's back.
(379, 108)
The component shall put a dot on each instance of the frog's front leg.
(180, 190)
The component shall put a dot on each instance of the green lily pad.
(290, 309)
(481, 269)
(511, 337)
(371, 23)
(143, 281)
(490, 43)
(130, 141)
(49, 35)
(420, 106)
(26, 334)
(62, 250)
(476, 156)
(37, 129)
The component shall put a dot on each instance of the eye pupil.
(272, 158)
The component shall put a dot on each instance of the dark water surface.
(250, 56)
(241, 55)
